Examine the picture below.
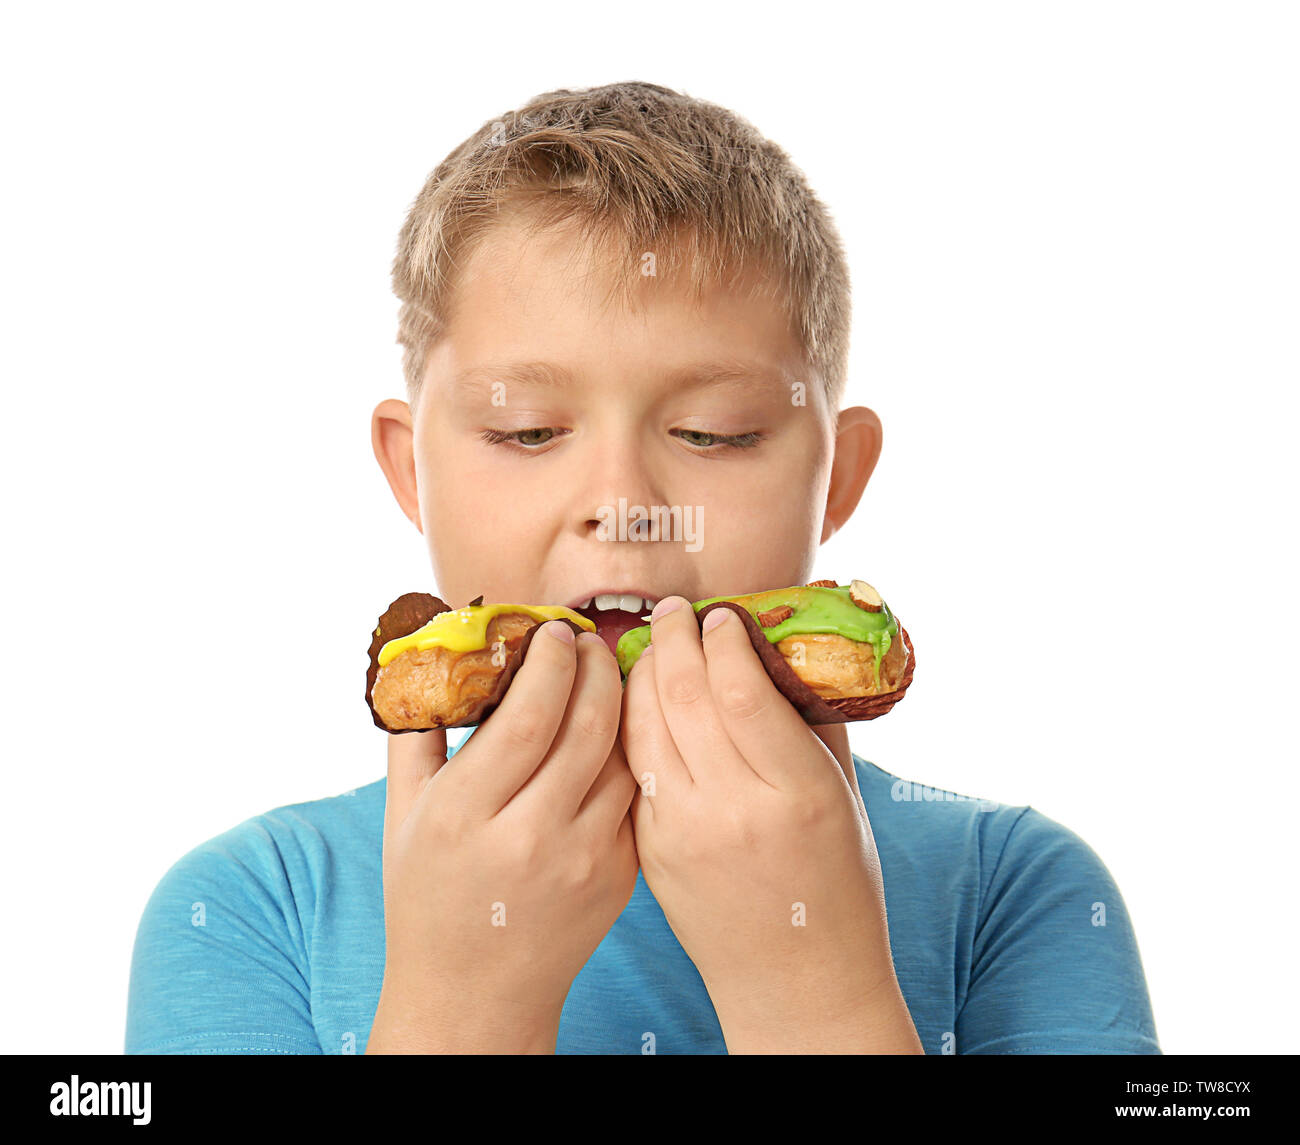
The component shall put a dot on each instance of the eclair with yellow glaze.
(432, 666)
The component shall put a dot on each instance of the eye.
(530, 440)
(716, 441)
(521, 438)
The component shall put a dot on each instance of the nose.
(618, 473)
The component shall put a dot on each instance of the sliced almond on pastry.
(865, 597)
(774, 616)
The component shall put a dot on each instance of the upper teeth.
(609, 600)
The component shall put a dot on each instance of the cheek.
(782, 491)
(453, 491)
(763, 527)
(469, 499)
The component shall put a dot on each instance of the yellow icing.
(465, 629)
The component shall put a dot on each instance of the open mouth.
(615, 613)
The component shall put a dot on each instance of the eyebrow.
(549, 375)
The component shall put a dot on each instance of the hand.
(753, 838)
(527, 825)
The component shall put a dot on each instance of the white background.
(1073, 235)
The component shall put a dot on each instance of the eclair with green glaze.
(836, 652)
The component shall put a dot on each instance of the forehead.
(525, 292)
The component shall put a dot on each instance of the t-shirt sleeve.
(219, 965)
(1055, 967)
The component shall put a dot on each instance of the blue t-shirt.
(1008, 936)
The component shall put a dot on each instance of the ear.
(393, 437)
(857, 449)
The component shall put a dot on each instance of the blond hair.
(650, 168)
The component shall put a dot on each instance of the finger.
(611, 795)
(611, 807)
(413, 759)
(586, 734)
(767, 731)
(517, 736)
(627, 837)
(652, 756)
(636, 788)
(686, 698)
(836, 739)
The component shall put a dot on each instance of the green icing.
(816, 610)
(630, 646)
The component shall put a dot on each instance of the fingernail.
(664, 607)
(594, 640)
(561, 631)
(648, 649)
(716, 617)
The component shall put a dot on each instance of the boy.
(626, 297)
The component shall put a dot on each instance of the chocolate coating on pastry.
(812, 707)
(408, 612)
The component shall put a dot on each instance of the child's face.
(536, 520)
